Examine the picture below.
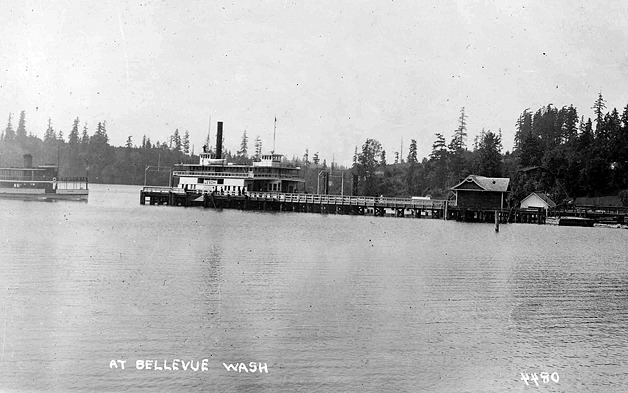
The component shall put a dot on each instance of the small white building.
(537, 200)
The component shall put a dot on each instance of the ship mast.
(274, 132)
(208, 139)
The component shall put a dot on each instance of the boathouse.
(482, 193)
(537, 200)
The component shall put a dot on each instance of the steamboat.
(213, 174)
(41, 183)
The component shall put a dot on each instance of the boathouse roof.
(543, 196)
(481, 183)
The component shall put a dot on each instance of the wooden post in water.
(496, 221)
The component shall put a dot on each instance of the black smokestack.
(219, 141)
(28, 161)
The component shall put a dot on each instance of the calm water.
(328, 303)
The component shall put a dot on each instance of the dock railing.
(163, 190)
(368, 201)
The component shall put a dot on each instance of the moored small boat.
(576, 221)
(41, 183)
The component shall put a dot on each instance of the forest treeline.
(555, 151)
(82, 154)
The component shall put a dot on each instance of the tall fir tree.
(186, 142)
(73, 139)
(84, 137)
(50, 135)
(20, 134)
(490, 159)
(176, 141)
(258, 148)
(439, 148)
(598, 108)
(412, 152)
(9, 133)
(459, 140)
(244, 145)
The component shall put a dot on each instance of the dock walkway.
(310, 203)
(337, 204)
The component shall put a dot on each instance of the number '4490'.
(545, 377)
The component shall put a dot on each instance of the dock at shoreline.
(336, 204)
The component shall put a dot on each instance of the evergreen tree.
(458, 141)
(569, 117)
(489, 151)
(315, 159)
(100, 137)
(176, 141)
(439, 148)
(382, 160)
(9, 133)
(20, 134)
(73, 139)
(50, 135)
(524, 129)
(244, 145)
(367, 163)
(60, 137)
(306, 158)
(412, 152)
(186, 142)
(258, 148)
(129, 142)
(411, 171)
(598, 108)
(529, 148)
(84, 137)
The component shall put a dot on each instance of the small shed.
(482, 193)
(537, 200)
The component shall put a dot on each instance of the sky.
(333, 73)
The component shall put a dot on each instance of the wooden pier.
(305, 203)
(610, 215)
(338, 204)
